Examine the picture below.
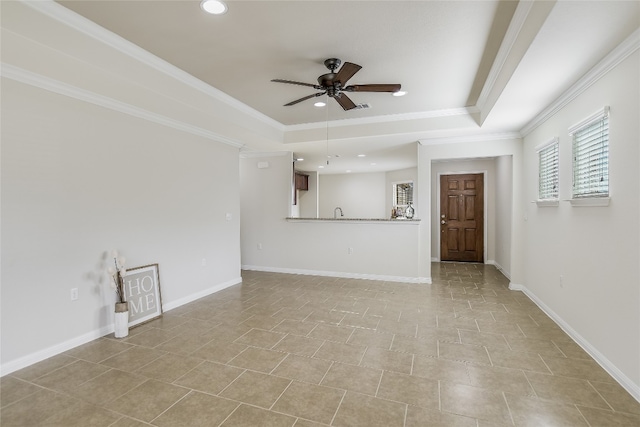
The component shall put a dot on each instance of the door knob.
(443, 222)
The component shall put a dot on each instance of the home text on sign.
(141, 298)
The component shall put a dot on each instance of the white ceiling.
(469, 67)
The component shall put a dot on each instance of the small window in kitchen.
(402, 198)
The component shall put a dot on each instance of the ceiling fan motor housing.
(328, 83)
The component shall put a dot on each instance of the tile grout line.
(231, 413)
(379, 383)
(191, 391)
(601, 396)
(406, 412)
(504, 397)
(583, 417)
(281, 394)
(338, 407)
(232, 382)
(327, 372)
(271, 372)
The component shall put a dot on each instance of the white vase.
(121, 324)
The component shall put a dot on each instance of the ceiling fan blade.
(305, 98)
(345, 102)
(296, 83)
(373, 88)
(345, 72)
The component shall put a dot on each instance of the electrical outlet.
(204, 262)
(74, 294)
(350, 251)
(259, 246)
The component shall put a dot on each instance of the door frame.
(485, 215)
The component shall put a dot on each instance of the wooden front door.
(462, 217)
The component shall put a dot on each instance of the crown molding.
(511, 36)
(609, 62)
(470, 138)
(85, 26)
(463, 111)
(55, 86)
(259, 154)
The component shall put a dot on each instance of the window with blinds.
(548, 167)
(591, 156)
(402, 194)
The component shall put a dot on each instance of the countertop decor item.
(410, 211)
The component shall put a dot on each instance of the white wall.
(382, 251)
(78, 180)
(503, 204)
(595, 249)
(101, 151)
(360, 195)
(265, 198)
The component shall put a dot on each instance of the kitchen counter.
(359, 220)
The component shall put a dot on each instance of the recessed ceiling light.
(320, 167)
(215, 7)
(399, 93)
(299, 159)
(320, 104)
(373, 164)
(362, 155)
(348, 170)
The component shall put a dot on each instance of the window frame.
(597, 197)
(394, 194)
(554, 199)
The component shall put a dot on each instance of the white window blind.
(591, 157)
(548, 166)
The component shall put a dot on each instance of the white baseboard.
(54, 350)
(516, 287)
(201, 294)
(500, 268)
(607, 365)
(434, 259)
(425, 280)
(38, 356)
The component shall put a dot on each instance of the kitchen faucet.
(335, 212)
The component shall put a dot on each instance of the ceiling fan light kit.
(214, 7)
(334, 84)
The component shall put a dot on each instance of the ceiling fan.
(334, 84)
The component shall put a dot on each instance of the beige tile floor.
(304, 351)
